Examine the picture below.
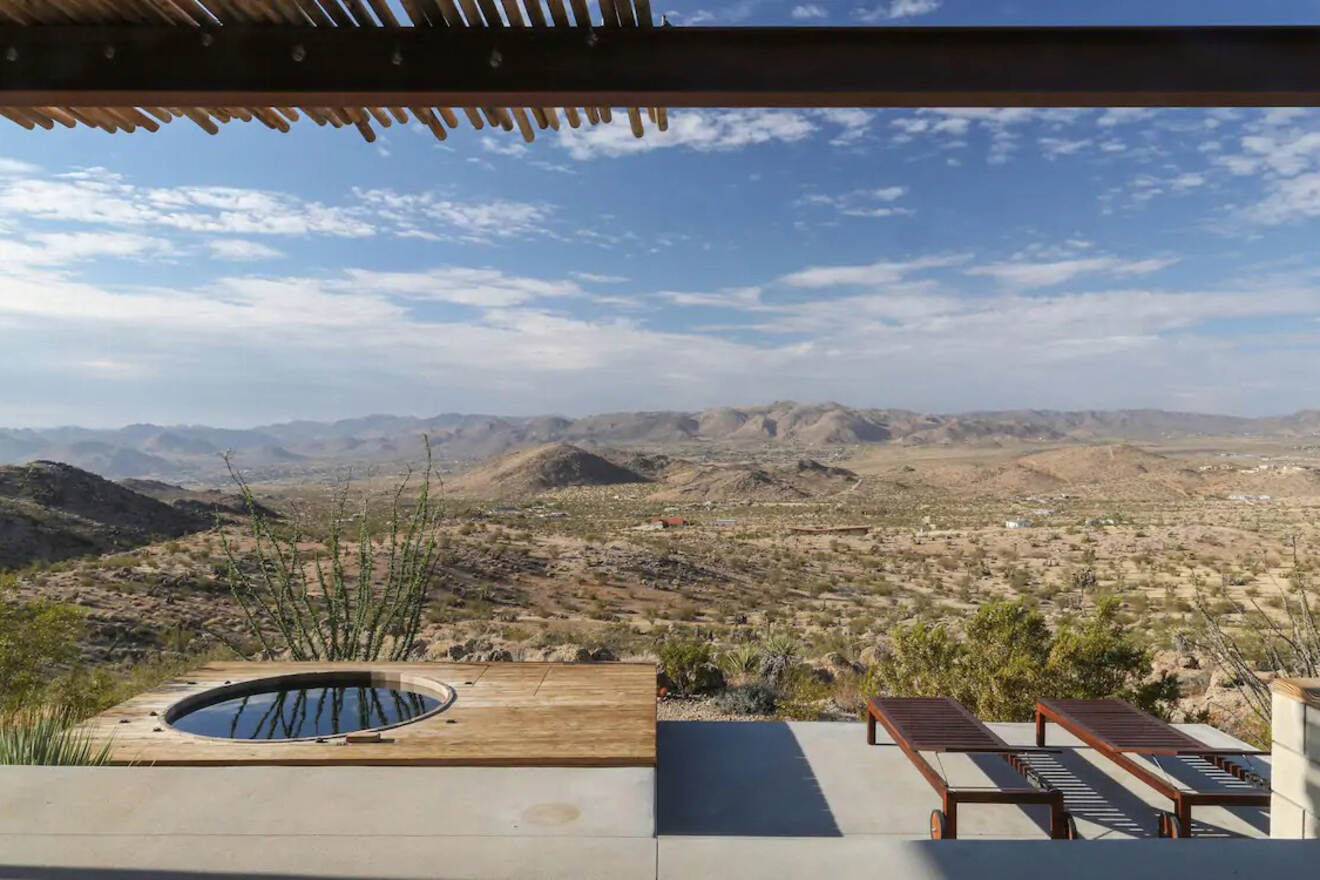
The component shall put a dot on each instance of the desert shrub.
(1286, 642)
(82, 691)
(1008, 658)
(748, 699)
(779, 656)
(38, 640)
(688, 664)
(48, 736)
(803, 696)
(1083, 579)
(330, 614)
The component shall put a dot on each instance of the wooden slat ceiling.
(331, 14)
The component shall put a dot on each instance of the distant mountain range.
(182, 452)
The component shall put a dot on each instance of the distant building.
(726, 522)
(668, 522)
(1017, 523)
(829, 530)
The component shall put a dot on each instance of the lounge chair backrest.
(1123, 727)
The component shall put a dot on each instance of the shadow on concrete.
(1091, 796)
(1094, 860)
(1095, 797)
(743, 779)
(1200, 774)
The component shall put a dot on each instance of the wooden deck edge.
(1303, 690)
(583, 764)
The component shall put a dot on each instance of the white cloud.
(241, 249)
(1292, 199)
(884, 272)
(731, 298)
(1054, 147)
(949, 126)
(97, 196)
(1285, 156)
(897, 9)
(16, 167)
(853, 123)
(1024, 274)
(874, 202)
(57, 249)
(739, 10)
(211, 343)
(1113, 116)
(599, 278)
(487, 288)
(428, 215)
(700, 130)
(808, 11)
(502, 146)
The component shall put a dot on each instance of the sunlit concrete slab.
(726, 799)
(436, 802)
(810, 779)
(316, 857)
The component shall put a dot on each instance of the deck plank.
(504, 714)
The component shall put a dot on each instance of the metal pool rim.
(373, 678)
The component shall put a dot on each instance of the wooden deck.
(504, 714)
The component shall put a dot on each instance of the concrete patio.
(726, 799)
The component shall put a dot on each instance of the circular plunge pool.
(309, 706)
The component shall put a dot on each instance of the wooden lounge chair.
(1118, 731)
(942, 724)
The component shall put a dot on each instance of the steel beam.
(242, 65)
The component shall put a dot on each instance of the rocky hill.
(529, 472)
(201, 502)
(805, 480)
(51, 511)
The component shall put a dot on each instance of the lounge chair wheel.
(1171, 826)
(938, 824)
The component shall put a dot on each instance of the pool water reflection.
(306, 712)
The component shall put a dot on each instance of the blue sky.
(930, 259)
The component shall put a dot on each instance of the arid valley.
(789, 540)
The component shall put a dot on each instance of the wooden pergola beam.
(274, 65)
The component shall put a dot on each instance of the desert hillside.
(529, 472)
(51, 511)
(733, 483)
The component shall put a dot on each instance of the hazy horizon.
(121, 425)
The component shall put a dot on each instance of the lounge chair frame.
(1117, 730)
(942, 724)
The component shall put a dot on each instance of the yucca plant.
(314, 608)
(779, 655)
(741, 661)
(49, 736)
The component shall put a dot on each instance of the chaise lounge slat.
(942, 724)
(1117, 730)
